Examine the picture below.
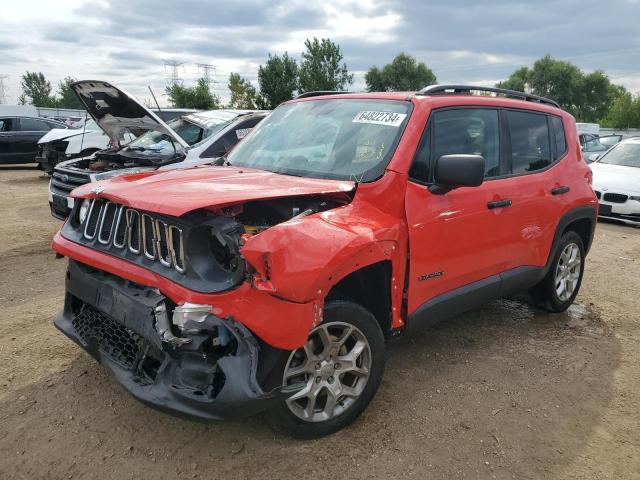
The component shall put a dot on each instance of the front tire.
(341, 367)
(559, 288)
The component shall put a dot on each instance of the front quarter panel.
(301, 259)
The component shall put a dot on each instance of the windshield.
(210, 130)
(91, 125)
(156, 142)
(624, 154)
(346, 139)
(610, 140)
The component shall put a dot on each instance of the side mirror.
(458, 171)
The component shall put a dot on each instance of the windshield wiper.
(221, 161)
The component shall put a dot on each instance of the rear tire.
(341, 366)
(558, 289)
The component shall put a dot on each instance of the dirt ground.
(501, 392)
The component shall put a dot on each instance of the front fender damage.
(300, 260)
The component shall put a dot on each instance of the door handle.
(499, 204)
(560, 190)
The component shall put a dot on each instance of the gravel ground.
(501, 392)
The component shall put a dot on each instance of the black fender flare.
(588, 212)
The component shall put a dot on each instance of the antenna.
(154, 98)
(174, 77)
(3, 89)
(207, 69)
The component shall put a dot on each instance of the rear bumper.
(114, 322)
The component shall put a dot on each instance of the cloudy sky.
(473, 41)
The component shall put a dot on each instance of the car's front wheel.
(340, 368)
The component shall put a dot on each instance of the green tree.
(67, 97)
(278, 80)
(36, 90)
(321, 67)
(624, 112)
(243, 94)
(404, 73)
(517, 81)
(199, 96)
(586, 96)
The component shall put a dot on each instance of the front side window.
(7, 124)
(470, 131)
(328, 138)
(530, 145)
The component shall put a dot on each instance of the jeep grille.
(140, 233)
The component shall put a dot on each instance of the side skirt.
(460, 300)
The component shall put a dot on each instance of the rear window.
(530, 145)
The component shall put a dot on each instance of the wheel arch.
(370, 287)
(581, 220)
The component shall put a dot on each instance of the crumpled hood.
(117, 112)
(61, 133)
(615, 177)
(177, 192)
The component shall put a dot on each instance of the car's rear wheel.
(340, 366)
(557, 291)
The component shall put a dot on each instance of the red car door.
(462, 239)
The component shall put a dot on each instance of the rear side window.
(471, 131)
(558, 133)
(33, 125)
(530, 144)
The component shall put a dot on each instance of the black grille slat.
(615, 197)
(129, 231)
(598, 194)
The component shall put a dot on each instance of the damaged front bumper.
(211, 376)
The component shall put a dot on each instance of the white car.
(193, 139)
(616, 182)
(60, 144)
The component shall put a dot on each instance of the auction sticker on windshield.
(391, 119)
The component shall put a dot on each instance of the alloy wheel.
(334, 365)
(568, 271)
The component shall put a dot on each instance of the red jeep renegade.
(272, 279)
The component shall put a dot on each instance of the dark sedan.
(19, 137)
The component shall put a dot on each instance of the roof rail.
(467, 89)
(320, 93)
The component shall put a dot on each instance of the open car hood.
(177, 192)
(115, 111)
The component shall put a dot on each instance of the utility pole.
(208, 69)
(174, 77)
(3, 89)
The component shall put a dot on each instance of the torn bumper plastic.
(113, 320)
